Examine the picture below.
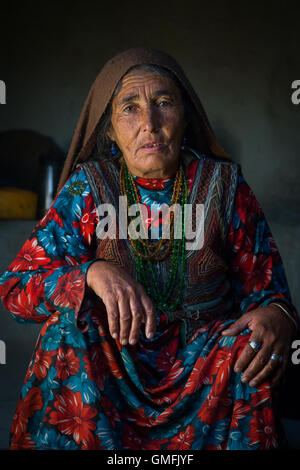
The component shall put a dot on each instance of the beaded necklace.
(145, 253)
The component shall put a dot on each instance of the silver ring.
(276, 357)
(254, 345)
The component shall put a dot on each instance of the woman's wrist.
(89, 273)
(284, 309)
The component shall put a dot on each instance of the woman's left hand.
(273, 331)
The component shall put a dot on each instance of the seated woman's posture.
(147, 342)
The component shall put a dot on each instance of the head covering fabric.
(100, 93)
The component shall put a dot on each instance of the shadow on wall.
(228, 140)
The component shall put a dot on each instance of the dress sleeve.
(257, 274)
(48, 275)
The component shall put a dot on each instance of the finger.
(247, 354)
(280, 370)
(277, 376)
(125, 318)
(112, 316)
(237, 326)
(258, 364)
(269, 369)
(149, 311)
(137, 315)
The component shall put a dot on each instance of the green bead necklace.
(144, 264)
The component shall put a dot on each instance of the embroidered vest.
(207, 287)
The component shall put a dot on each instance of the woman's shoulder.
(191, 155)
(223, 162)
(75, 184)
(212, 168)
(96, 165)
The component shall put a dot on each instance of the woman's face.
(148, 110)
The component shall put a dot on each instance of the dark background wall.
(241, 58)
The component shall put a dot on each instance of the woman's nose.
(150, 119)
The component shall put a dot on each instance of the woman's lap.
(153, 395)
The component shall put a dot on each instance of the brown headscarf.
(85, 134)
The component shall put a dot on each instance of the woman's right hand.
(126, 301)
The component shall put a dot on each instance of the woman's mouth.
(153, 147)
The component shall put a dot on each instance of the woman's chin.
(158, 159)
(156, 164)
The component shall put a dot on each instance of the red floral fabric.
(83, 390)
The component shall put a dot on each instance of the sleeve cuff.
(293, 316)
(88, 300)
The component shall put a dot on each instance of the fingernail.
(115, 335)
(132, 341)
(252, 383)
(237, 370)
(150, 334)
(124, 341)
(244, 378)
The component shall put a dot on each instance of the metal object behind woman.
(49, 170)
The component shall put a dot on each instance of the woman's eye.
(128, 108)
(163, 103)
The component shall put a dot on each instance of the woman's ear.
(110, 133)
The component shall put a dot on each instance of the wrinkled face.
(147, 123)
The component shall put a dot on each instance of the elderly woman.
(148, 343)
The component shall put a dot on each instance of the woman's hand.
(273, 331)
(126, 301)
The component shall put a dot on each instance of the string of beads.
(146, 254)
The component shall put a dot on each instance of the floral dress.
(84, 390)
